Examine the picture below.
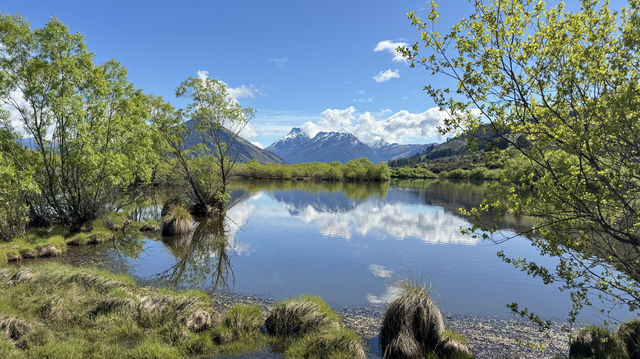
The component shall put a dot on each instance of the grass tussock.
(413, 327)
(306, 327)
(176, 219)
(327, 343)
(629, 333)
(597, 342)
(53, 310)
(241, 322)
(299, 316)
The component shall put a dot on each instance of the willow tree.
(219, 119)
(87, 121)
(16, 183)
(569, 82)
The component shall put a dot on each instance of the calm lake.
(348, 243)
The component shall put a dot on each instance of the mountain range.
(242, 150)
(298, 147)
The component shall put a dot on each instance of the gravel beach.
(488, 337)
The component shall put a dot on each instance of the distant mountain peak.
(339, 145)
(381, 143)
(295, 132)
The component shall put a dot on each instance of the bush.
(299, 316)
(355, 170)
(241, 322)
(596, 342)
(176, 219)
(629, 333)
(413, 327)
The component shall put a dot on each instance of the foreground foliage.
(50, 310)
(567, 82)
(86, 121)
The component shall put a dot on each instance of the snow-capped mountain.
(298, 146)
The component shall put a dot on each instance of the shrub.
(596, 342)
(176, 219)
(299, 316)
(629, 333)
(413, 327)
(242, 321)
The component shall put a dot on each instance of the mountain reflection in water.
(349, 243)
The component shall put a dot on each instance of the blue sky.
(298, 63)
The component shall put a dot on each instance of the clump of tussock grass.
(176, 219)
(299, 316)
(327, 343)
(48, 250)
(150, 226)
(100, 236)
(240, 322)
(596, 342)
(11, 257)
(78, 239)
(22, 275)
(54, 309)
(75, 314)
(14, 328)
(305, 327)
(29, 253)
(629, 333)
(5, 275)
(117, 221)
(413, 327)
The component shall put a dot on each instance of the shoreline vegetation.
(57, 310)
(359, 170)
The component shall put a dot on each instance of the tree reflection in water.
(200, 255)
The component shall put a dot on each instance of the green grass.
(76, 312)
(327, 344)
(455, 336)
(306, 327)
(93, 232)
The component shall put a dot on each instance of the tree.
(87, 121)
(15, 183)
(219, 119)
(570, 83)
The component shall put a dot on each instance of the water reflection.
(336, 215)
(348, 243)
(200, 256)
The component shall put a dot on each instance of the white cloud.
(391, 46)
(363, 100)
(257, 144)
(248, 131)
(280, 62)
(386, 75)
(394, 128)
(16, 100)
(431, 225)
(361, 92)
(389, 295)
(380, 271)
(338, 118)
(242, 91)
(235, 93)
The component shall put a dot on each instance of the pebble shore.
(488, 337)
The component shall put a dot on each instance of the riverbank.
(488, 337)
